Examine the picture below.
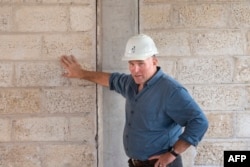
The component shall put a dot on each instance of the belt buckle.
(134, 162)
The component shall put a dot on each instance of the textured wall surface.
(46, 120)
(49, 121)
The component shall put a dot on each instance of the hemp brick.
(70, 100)
(242, 125)
(41, 18)
(5, 19)
(5, 131)
(6, 74)
(40, 129)
(220, 125)
(242, 70)
(211, 153)
(205, 70)
(30, 74)
(215, 43)
(82, 18)
(247, 97)
(248, 43)
(19, 101)
(20, 155)
(240, 15)
(220, 98)
(155, 16)
(200, 15)
(20, 47)
(80, 45)
(69, 1)
(162, 1)
(82, 128)
(69, 155)
(167, 65)
(171, 43)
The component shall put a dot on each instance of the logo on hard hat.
(133, 49)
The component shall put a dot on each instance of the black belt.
(138, 163)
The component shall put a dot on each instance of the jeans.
(176, 163)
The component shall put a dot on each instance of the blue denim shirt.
(155, 116)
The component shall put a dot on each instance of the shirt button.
(129, 124)
(132, 112)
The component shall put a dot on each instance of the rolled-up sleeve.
(185, 111)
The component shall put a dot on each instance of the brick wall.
(46, 120)
(205, 45)
(49, 121)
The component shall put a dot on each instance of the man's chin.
(138, 82)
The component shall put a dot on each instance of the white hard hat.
(139, 47)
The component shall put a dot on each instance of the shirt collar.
(155, 77)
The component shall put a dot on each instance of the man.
(157, 106)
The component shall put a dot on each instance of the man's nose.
(136, 68)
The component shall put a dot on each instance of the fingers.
(71, 66)
(73, 59)
(65, 60)
(157, 164)
(154, 157)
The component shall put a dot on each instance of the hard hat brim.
(128, 57)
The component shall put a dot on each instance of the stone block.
(5, 19)
(70, 100)
(75, 129)
(242, 125)
(211, 153)
(205, 70)
(70, 1)
(81, 45)
(40, 129)
(70, 156)
(20, 101)
(40, 74)
(248, 43)
(83, 128)
(200, 15)
(171, 43)
(82, 18)
(20, 155)
(247, 98)
(168, 65)
(20, 47)
(240, 15)
(5, 131)
(214, 43)
(163, 1)
(242, 70)
(155, 16)
(220, 125)
(6, 74)
(41, 18)
(220, 98)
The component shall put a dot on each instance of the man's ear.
(155, 61)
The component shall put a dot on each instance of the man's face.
(143, 70)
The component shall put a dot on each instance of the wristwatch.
(173, 152)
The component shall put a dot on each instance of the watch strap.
(172, 151)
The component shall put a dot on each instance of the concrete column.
(119, 22)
